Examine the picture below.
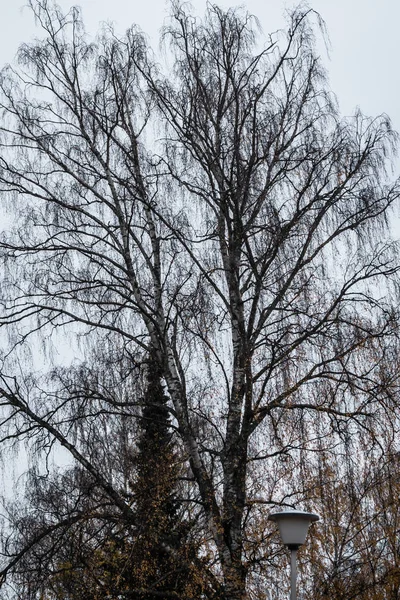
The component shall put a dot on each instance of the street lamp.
(293, 526)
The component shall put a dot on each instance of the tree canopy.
(219, 216)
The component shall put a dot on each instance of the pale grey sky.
(363, 66)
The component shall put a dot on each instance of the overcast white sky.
(365, 42)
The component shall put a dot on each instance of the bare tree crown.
(221, 216)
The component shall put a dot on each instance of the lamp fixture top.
(312, 517)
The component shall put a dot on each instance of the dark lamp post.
(293, 527)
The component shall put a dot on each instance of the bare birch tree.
(224, 217)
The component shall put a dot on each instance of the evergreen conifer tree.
(162, 554)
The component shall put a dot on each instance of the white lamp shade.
(293, 526)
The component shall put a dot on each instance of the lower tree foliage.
(90, 552)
